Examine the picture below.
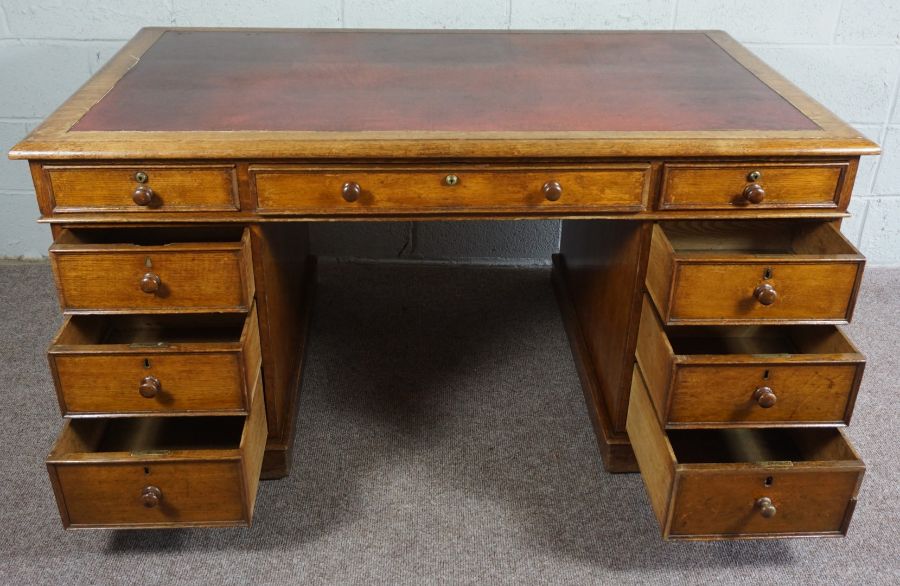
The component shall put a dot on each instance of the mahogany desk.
(700, 277)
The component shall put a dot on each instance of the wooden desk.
(700, 276)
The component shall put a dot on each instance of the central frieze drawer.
(168, 270)
(341, 190)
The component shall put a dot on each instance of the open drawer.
(743, 483)
(159, 471)
(156, 364)
(755, 271)
(153, 270)
(745, 376)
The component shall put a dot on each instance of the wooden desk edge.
(53, 141)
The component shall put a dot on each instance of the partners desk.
(701, 272)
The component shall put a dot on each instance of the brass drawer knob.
(765, 294)
(150, 283)
(765, 397)
(351, 191)
(142, 196)
(150, 387)
(754, 193)
(766, 508)
(552, 190)
(150, 496)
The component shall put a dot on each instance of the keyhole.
(146, 363)
(769, 481)
(766, 375)
(146, 470)
(767, 274)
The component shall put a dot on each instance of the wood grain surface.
(708, 272)
(204, 365)
(707, 377)
(721, 185)
(705, 484)
(110, 188)
(96, 275)
(317, 191)
(207, 470)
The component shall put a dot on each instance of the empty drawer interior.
(146, 435)
(154, 330)
(759, 340)
(727, 446)
(154, 237)
(756, 237)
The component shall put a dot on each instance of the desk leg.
(598, 277)
(285, 277)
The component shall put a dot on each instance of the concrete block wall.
(845, 53)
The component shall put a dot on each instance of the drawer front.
(722, 504)
(741, 377)
(804, 292)
(753, 186)
(386, 191)
(723, 395)
(160, 189)
(707, 273)
(110, 495)
(198, 485)
(188, 277)
(156, 378)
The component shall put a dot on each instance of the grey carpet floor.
(442, 438)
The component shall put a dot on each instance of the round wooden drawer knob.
(754, 193)
(765, 397)
(143, 195)
(150, 283)
(351, 191)
(765, 294)
(766, 508)
(150, 387)
(150, 496)
(552, 190)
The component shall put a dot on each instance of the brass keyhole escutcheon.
(451, 180)
(753, 176)
(141, 177)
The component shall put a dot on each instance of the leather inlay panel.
(439, 81)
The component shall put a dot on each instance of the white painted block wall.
(845, 53)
